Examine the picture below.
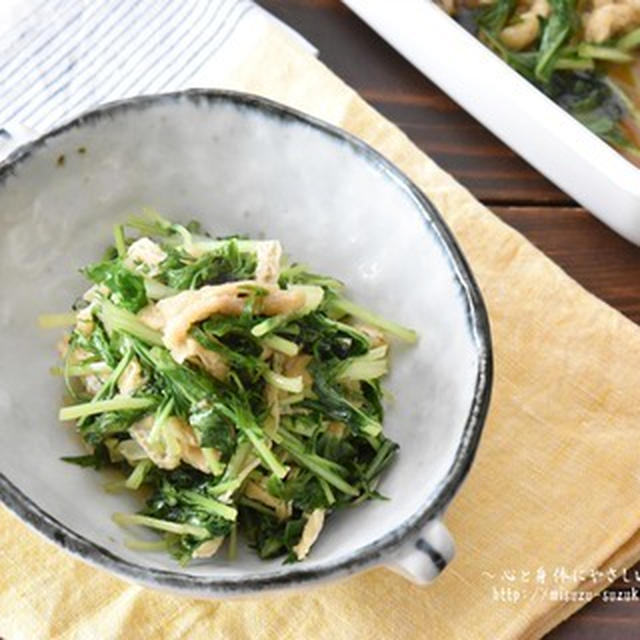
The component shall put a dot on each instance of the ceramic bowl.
(240, 164)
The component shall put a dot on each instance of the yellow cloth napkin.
(553, 497)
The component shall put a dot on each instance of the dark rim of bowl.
(434, 504)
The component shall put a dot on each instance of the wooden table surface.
(598, 259)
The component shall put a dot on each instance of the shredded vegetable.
(235, 393)
(581, 54)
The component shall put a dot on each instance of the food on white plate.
(583, 55)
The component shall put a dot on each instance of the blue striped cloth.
(68, 55)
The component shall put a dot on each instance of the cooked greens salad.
(583, 54)
(236, 393)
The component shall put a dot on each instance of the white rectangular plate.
(557, 145)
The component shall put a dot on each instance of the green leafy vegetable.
(571, 71)
(555, 33)
(232, 421)
(496, 15)
(225, 264)
(126, 287)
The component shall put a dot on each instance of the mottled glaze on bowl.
(240, 164)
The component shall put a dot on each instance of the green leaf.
(589, 99)
(524, 62)
(495, 16)
(297, 274)
(225, 264)
(214, 429)
(96, 460)
(331, 401)
(187, 383)
(556, 32)
(127, 288)
(100, 427)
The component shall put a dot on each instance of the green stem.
(215, 466)
(156, 290)
(121, 245)
(280, 344)
(109, 384)
(236, 463)
(210, 505)
(292, 399)
(57, 320)
(328, 494)
(265, 454)
(610, 54)
(137, 476)
(380, 460)
(269, 324)
(351, 308)
(162, 414)
(153, 224)
(256, 506)
(118, 319)
(124, 519)
(363, 369)
(313, 295)
(319, 466)
(629, 41)
(80, 370)
(574, 64)
(145, 545)
(292, 385)
(119, 403)
(223, 487)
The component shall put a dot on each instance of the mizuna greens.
(236, 393)
(582, 54)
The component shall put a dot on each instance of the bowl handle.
(423, 558)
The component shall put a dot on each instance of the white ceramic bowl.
(240, 164)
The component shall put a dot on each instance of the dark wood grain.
(598, 259)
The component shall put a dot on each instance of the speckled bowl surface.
(240, 164)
